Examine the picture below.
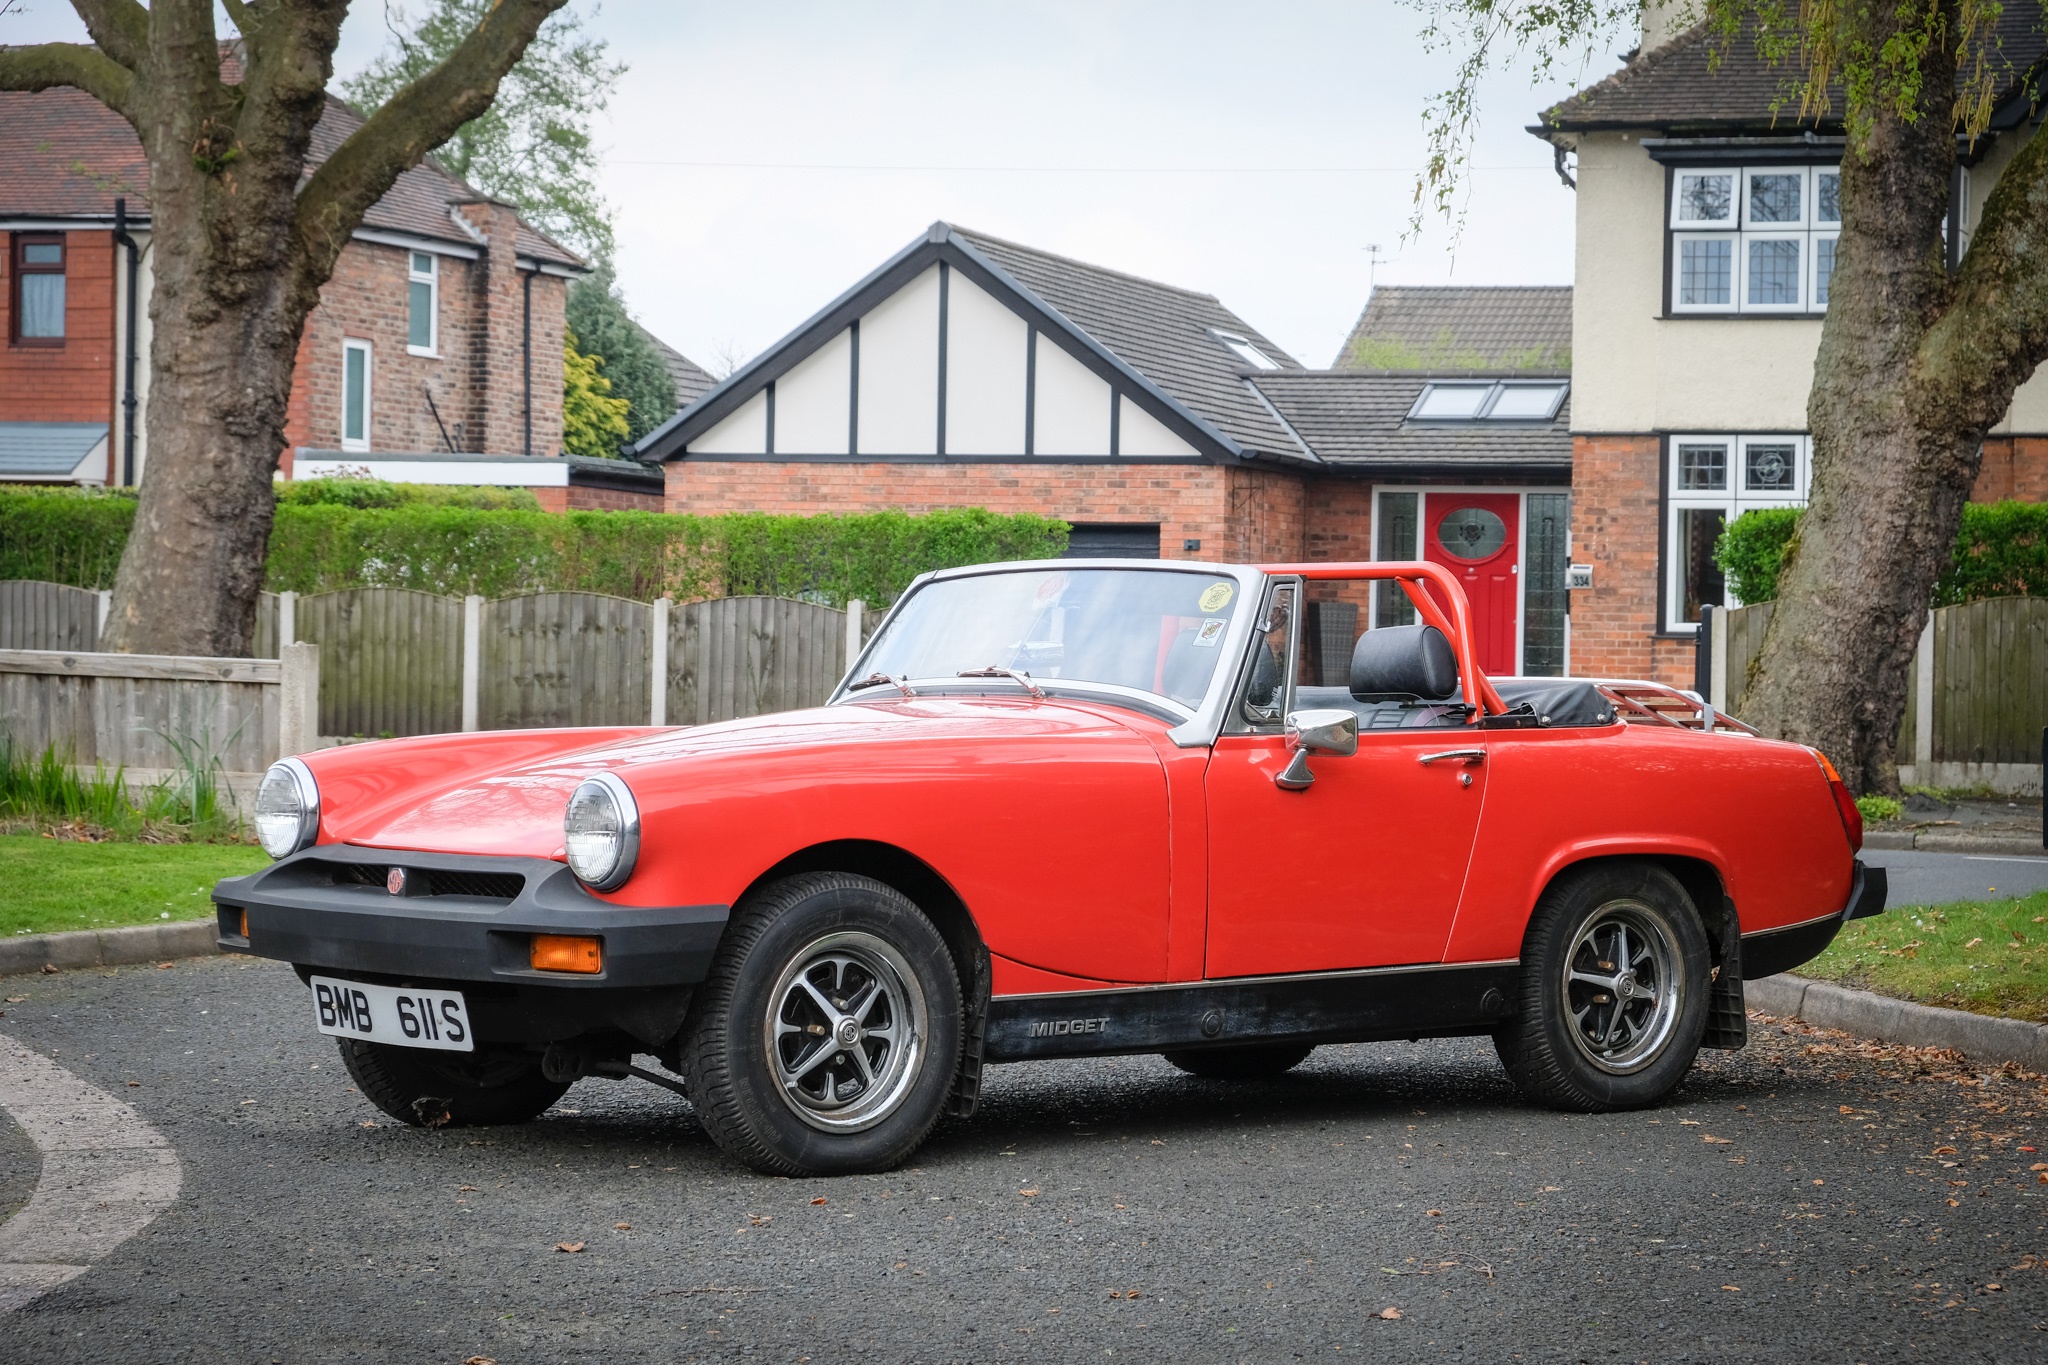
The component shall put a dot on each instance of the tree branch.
(46, 65)
(119, 28)
(1995, 329)
(412, 123)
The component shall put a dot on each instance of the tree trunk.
(1895, 453)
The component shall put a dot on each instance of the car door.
(1364, 868)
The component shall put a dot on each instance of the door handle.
(1459, 755)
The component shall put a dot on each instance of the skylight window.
(1509, 401)
(1245, 351)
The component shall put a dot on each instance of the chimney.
(498, 353)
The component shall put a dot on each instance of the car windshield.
(1153, 630)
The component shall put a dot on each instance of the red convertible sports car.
(1056, 809)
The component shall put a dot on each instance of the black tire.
(1240, 1061)
(1591, 1046)
(789, 948)
(430, 1089)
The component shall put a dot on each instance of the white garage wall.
(1138, 432)
(984, 372)
(1073, 405)
(810, 401)
(899, 371)
(745, 432)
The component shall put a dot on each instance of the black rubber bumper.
(1780, 950)
(327, 909)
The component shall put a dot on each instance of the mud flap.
(966, 1095)
(1727, 1012)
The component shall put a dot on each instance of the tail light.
(1845, 804)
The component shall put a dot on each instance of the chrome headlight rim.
(307, 792)
(621, 796)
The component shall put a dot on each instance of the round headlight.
(601, 832)
(287, 808)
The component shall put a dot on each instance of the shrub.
(1875, 808)
(2001, 550)
(350, 490)
(64, 535)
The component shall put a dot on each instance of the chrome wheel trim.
(1620, 987)
(845, 1031)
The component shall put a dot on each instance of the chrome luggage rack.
(1648, 703)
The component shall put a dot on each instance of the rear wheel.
(456, 1089)
(1614, 993)
(826, 1038)
(1240, 1061)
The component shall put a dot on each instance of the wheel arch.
(1700, 878)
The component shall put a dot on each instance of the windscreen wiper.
(878, 679)
(1016, 676)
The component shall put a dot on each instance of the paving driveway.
(1798, 1200)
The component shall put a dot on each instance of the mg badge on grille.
(394, 881)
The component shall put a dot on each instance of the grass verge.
(1988, 957)
(55, 884)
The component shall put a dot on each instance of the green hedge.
(322, 545)
(2001, 551)
(368, 493)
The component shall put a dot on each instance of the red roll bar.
(1411, 575)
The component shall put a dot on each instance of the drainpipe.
(128, 360)
(526, 348)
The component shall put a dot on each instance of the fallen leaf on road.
(1732, 1288)
(134, 1084)
(1433, 1213)
(1709, 1137)
(1689, 1123)
(165, 966)
(1390, 1314)
(48, 970)
(481, 1360)
(1994, 1288)
(569, 1246)
(819, 1200)
(622, 1227)
(465, 1189)
(366, 1124)
(1944, 1151)
(17, 1000)
(1027, 1193)
(1820, 1182)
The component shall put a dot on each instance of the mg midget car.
(1056, 809)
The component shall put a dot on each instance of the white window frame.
(1490, 399)
(1731, 502)
(1738, 228)
(1244, 349)
(431, 277)
(369, 387)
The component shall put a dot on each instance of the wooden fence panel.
(750, 656)
(390, 660)
(36, 615)
(266, 627)
(1746, 627)
(565, 658)
(141, 723)
(1991, 681)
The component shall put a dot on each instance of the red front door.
(1478, 537)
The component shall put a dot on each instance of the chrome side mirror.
(1330, 732)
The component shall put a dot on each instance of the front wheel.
(826, 1038)
(1614, 993)
(429, 1089)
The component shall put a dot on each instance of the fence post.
(472, 659)
(657, 688)
(855, 609)
(1923, 706)
(298, 699)
(287, 620)
(1703, 654)
(100, 615)
(1717, 681)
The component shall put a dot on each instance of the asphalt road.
(1934, 878)
(1799, 1199)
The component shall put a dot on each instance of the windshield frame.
(1191, 726)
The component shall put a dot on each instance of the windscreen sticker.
(1210, 633)
(1051, 586)
(1216, 596)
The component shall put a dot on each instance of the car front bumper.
(1780, 950)
(326, 910)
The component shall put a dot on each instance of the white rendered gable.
(811, 401)
(1140, 433)
(899, 371)
(985, 379)
(1072, 411)
(745, 432)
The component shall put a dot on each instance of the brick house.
(1707, 218)
(439, 335)
(967, 371)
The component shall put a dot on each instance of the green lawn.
(50, 884)
(1990, 957)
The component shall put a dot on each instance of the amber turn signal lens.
(566, 953)
(245, 924)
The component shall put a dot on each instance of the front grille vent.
(435, 881)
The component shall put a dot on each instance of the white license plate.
(389, 1014)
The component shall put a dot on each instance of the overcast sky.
(761, 157)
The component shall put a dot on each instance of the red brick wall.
(1235, 513)
(72, 382)
(477, 380)
(1614, 529)
(2014, 467)
(577, 498)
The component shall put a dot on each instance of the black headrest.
(1403, 661)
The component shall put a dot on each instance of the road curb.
(1980, 1037)
(1936, 841)
(108, 947)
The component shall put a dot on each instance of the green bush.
(348, 533)
(2001, 551)
(64, 535)
(1875, 808)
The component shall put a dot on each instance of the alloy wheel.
(1621, 986)
(846, 1031)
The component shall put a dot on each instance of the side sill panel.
(1334, 1007)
